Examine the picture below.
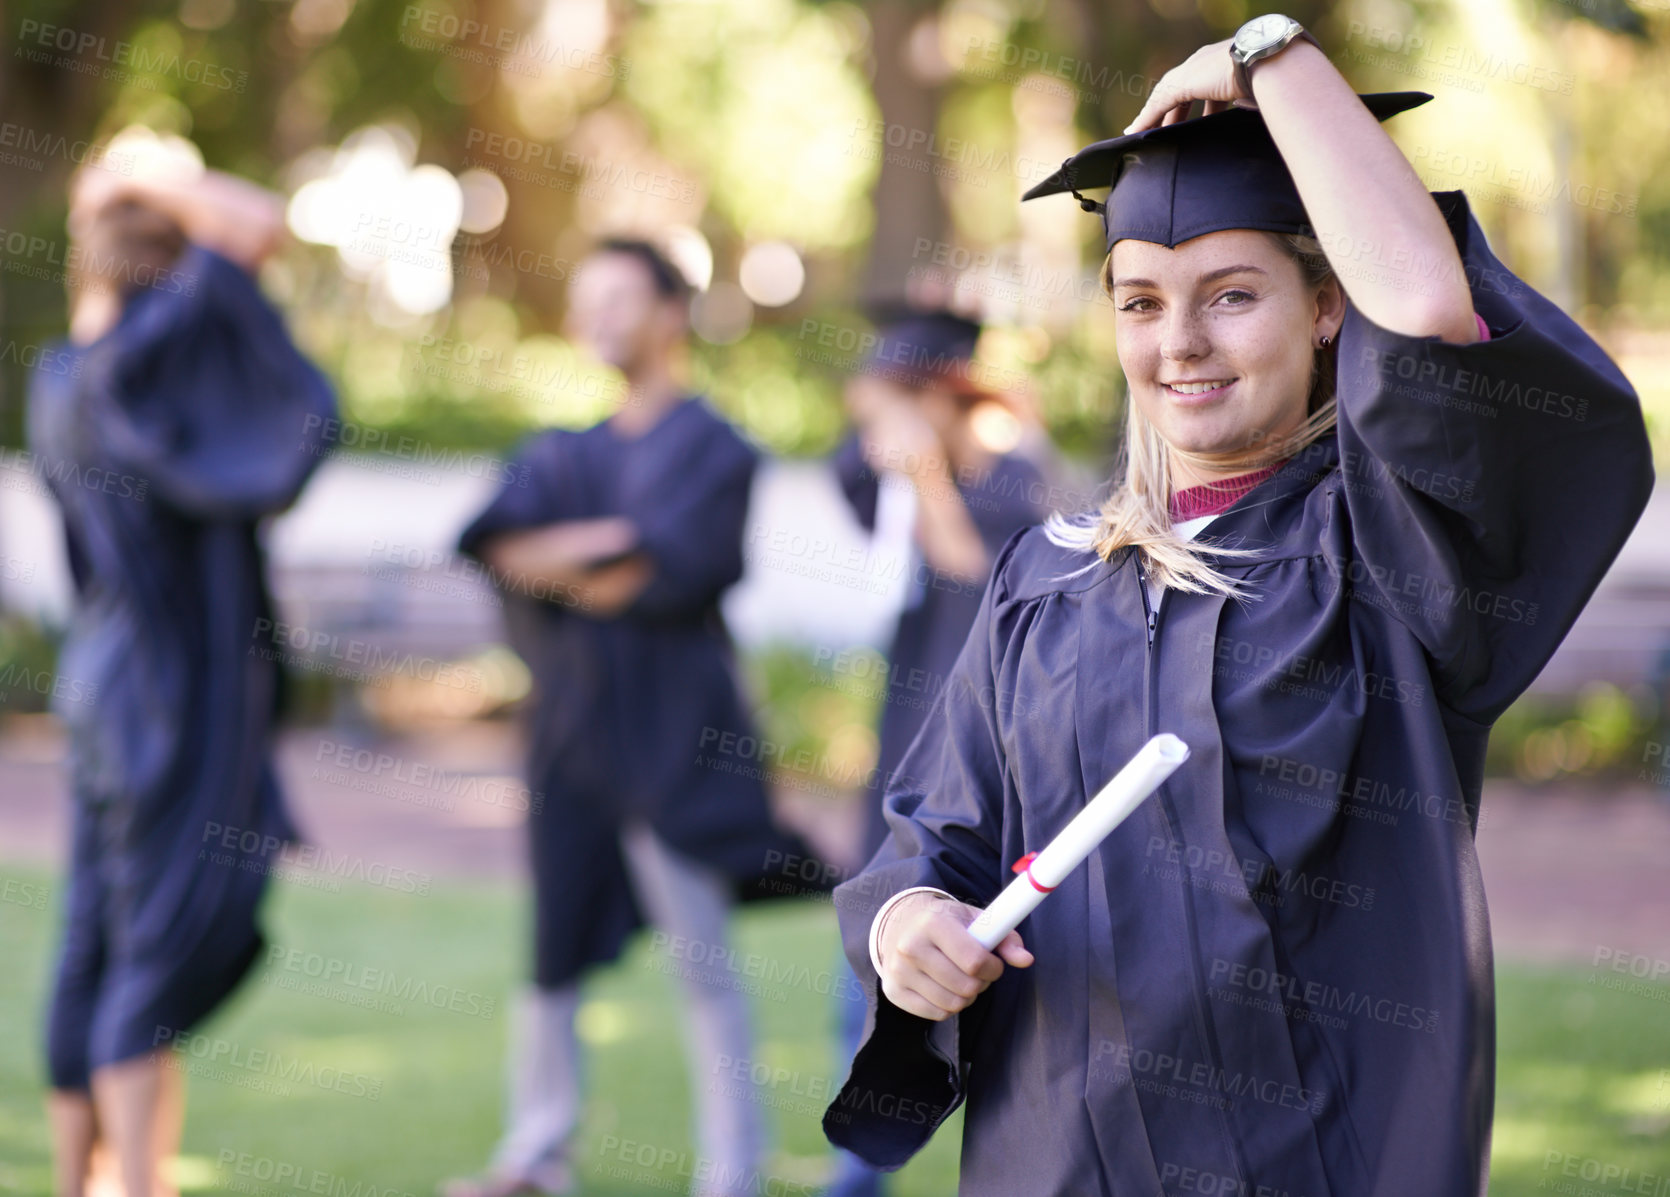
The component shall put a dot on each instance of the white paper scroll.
(1154, 762)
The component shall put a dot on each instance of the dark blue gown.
(1001, 500)
(173, 435)
(1277, 972)
(638, 717)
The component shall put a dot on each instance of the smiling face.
(1217, 337)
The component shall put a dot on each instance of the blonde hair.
(1138, 513)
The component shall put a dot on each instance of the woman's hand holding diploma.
(931, 951)
(930, 965)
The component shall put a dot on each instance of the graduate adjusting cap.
(1198, 176)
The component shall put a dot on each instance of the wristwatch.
(1260, 38)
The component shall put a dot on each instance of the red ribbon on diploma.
(1024, 865)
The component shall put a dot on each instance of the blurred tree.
(46, 107)
(760, 115)
(909, 201)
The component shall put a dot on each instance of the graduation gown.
(1001, 499)
(637, 717)
(1275, 976)
(164, 442)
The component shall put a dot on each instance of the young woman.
(178, 415)
(1370, 479)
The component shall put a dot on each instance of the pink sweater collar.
(1210, 498)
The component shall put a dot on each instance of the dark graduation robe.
(164, 442)
(1001, 499)
(1277, 972)
(637, 717)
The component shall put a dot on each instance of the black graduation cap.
(921, 346)
(1197, 176)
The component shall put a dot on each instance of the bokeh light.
(772, 274)
(392, 224)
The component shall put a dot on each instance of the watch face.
(1261, 31)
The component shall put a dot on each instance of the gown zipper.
(1153, 623)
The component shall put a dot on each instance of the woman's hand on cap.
(1208, 74)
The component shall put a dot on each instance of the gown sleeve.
(858, 481)
(693, 534)
(944, 810)
(200, 390)
(1490, 485)
(524, 498)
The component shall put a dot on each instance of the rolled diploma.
(1154, 762)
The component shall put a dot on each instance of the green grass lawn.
(383, 1102)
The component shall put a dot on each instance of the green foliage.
(1601, 732)
(763, 100)
(764, 111)
(28, 660)
(769, 383)
(819, 723)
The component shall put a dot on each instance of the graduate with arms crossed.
(1370, 478)
(612, 546)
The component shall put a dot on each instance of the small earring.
(1327, 341)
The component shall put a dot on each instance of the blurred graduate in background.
(613, 546)
(922, 468)
(185, 415)
(921, 458)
